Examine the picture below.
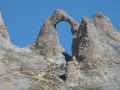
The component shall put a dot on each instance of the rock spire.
(3, 31)
(97, 52)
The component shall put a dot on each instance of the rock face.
(95, 63)
(47, 43)
(21, 68)
(3, 32)
(96, 51)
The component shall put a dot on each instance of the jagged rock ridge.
(95, 62)
(96, 54)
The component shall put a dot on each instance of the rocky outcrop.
(47, 43)
(96, 50)
(71, 74)
(95, 63)
(3, 31)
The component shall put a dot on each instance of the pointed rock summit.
(3, 31)
(96, 53)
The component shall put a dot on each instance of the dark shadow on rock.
(62, 77)
(80, 58)
(67, 57)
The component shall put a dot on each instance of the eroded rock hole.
(65, 36)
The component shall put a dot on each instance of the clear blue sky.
(24, 18)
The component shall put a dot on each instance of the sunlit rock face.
(47, 43)
(95, 62)
(3, 32)
(96, 53)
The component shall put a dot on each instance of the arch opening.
(65, 36)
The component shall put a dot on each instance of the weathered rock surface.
(95, 63)
(96, 51)
(3, 32)
(22, 69)
(47, 43)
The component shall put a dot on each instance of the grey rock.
(95, 63)
(47, 43)
(3, 31)
(97, 53)
(20, 67)
(71, 74)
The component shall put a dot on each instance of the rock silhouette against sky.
(95, 61)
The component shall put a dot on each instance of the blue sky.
(24, 18)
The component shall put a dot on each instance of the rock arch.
(47, 43)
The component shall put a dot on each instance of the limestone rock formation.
(47, 43)
(95, 63)
(23, 69)
(96, 52)
(3, 32)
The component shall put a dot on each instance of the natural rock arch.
(47, 43)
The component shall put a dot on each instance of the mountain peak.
(98, 15)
